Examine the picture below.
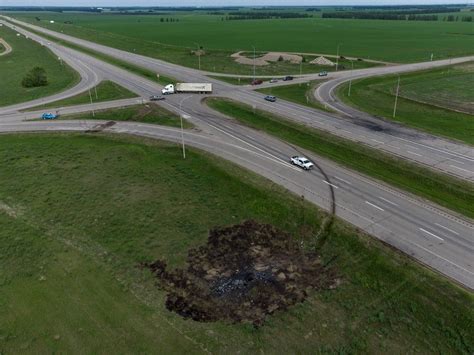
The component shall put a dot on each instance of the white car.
(302, 162)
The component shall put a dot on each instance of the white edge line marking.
(326, 182)
(377, 141)
(449, 230)
(457, 167)
(433, 235)
(341, 179)
(388, 201)
(409, 151)
(377, 207)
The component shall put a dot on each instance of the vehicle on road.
(323, 73)
(274, 81)
(197, 88)
(49, 116)
(257, 82)
(270, 98)
(302, 162)
(288, 78)
(156, 97)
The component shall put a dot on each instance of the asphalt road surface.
(432, 235)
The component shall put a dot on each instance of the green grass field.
(25, 56)
(106, 91)
(299, 93)
(149, 113)
(427, 100)
(446, 191)
(90, 208)
(392, 41)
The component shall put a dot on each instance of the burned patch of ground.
(244, 273)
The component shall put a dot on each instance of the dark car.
(157, 97)
(288, 78)
(270, 98)
(257, 82)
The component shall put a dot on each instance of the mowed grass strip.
(299, 93)
(27, 54)
(148, 113)
(105, 91)
(422, 103)
(444, 190)
(91, 208)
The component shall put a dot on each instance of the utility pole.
(96, 96)
(199, 54)
(396, 98)
(350, 81)
(337, 57)
(254, 62)
(181, 114)
(90, 97)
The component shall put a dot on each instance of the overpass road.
(430, 234)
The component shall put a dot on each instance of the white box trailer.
(198, 88)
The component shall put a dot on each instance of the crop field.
(438, 101)
(70, 247)
(391, 41)
(25, 56)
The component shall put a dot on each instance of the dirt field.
(244, 273)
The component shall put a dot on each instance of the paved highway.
(449, 157)
(430, 234)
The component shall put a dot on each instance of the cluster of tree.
(241, 15)
(452, 18)
(34, 78)
(169, 19)
(313, 9)
(372, 15)
(412, 9)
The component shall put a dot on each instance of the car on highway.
(257, 82)
(288, 78)
(157, 97)
(323, 73)
(270, 98)
(274, 81)
(302, 162)
(49, 116)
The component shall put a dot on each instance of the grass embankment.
(2, 48)
(446, 191)
(105, 91)
(299, 93)
(235, 80)
(149, 113)
(148, 74)
(25, 56)
(426, 101)
(70, 248)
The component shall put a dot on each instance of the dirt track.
(8, 48)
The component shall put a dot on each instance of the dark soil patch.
(242, 274)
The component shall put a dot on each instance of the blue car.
(49, 116)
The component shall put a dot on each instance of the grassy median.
(26, 55)
(105, 91)
(446, 191)
(92, 207)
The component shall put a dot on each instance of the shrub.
(36, 77)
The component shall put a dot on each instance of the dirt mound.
(242, 274)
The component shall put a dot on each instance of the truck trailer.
(198, 88)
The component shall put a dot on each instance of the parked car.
(257, 82)
(49, 116)
(302, 162)
(288, 78)
(323, 73)
(274, 81)
(270, 98)
(157, 97)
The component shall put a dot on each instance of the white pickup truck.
(198, 88)
(302, 162)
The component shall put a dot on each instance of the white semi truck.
(198, 88)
